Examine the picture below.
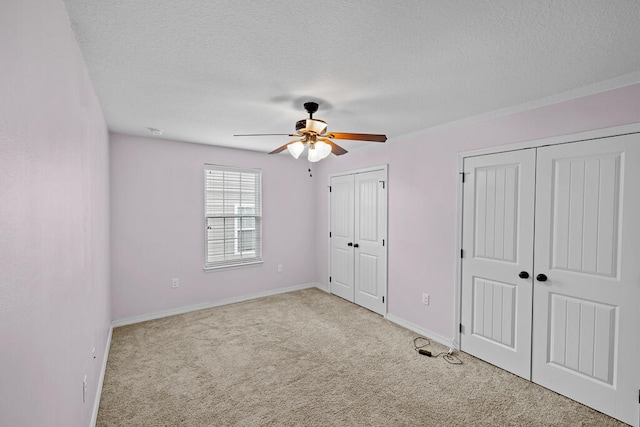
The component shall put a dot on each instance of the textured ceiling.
(203, 70)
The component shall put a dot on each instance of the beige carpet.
(311, 359)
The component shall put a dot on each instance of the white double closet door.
(357, 238)
(551, 268)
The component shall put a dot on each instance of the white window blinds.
(233, 216)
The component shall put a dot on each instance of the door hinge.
(329, 279)
(461, 328)
(329, 189)
(461, 253)
(382, 242)
(382, 184)
(462, 174)
(383, 299)
(329, 234)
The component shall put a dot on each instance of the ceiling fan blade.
(335, 148)
(284, 147)
(357, 136)
(279, 149)
(266, 134)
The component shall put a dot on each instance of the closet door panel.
(341, 222)
(586, 316)
(498, 245)
(370, 231)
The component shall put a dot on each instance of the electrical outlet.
(175, 282)
(425, 299)
(279, 268)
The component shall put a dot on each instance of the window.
(233, 216)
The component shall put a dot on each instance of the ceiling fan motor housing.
(316, 126)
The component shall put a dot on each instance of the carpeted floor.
(308, 358)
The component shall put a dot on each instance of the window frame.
(238, 228)
(244, 258)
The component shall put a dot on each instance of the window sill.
(234, 266)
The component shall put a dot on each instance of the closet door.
(341, 222)
(498, 206)
(586, 335)
(357, 239)
(369, 235)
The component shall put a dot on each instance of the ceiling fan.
(313, 132)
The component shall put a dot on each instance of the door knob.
(523, 275)
(541, 277)
(355, 245)
(350, 244)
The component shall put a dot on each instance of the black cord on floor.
(419, 344)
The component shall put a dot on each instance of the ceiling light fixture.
(156, 132)
(318, 149)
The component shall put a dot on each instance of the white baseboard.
(447, 342)
(210, 304)
(321, 287)
(103, 370)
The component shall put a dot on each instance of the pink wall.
(422, 195)
(158, 225)
(54, 219)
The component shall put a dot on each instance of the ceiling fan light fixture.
(314, 154)
(325, 149)
(318, 151)
(295, 149)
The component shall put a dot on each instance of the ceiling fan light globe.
(295, 149)
(314, 155)
(323, 148)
